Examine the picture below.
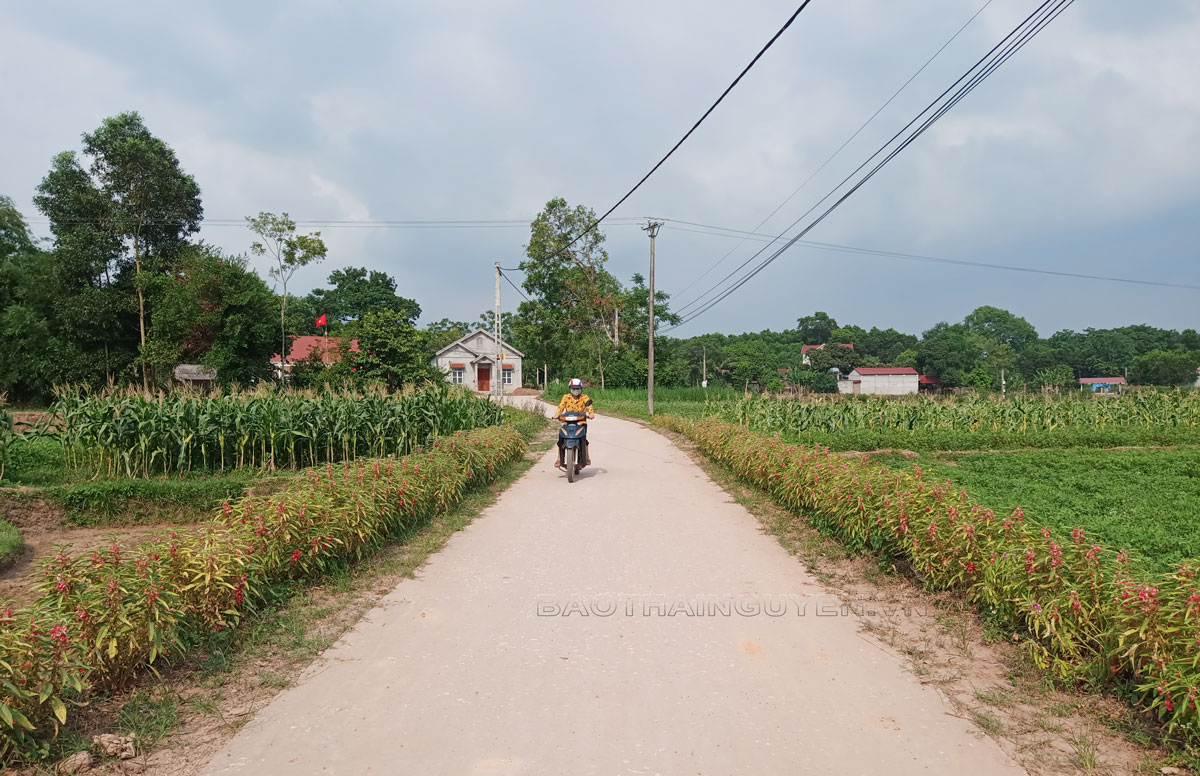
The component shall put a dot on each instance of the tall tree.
(815, 329)
(573, 292)
(356, 291)
(1001, 326)
(216, 311)
(133, 200)
(289, 252)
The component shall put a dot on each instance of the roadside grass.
(223, 677)
(12, 544)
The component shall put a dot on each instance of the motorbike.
(571, 438)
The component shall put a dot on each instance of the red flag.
(321, 321)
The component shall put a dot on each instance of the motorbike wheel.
(570, 461)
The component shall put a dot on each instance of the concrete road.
(635, 622)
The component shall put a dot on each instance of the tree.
(834, 356)
(815, 329)
(290, 251)
(1001, 326)
(215, 311)
(947, 351)
(441, 333)
(392, 349)
(128, 214)
(1165, 367)
(357, 291)
(885, 344)
(574, 297)
(31, 357)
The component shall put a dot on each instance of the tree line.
(122, 292)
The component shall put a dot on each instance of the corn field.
(1020, 414)
(137, 434)
(7, 437)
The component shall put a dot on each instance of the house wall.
(888, 385)
(458, 356)
(484, 346)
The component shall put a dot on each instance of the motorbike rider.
(575, 401)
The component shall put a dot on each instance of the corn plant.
(8, 437)
(138, 434)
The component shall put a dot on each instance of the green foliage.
(107, 615)
(816, 329)
(391, 350)
(357, 292)
(12, 544)
(1165, 367)
(138, 434)
(289, 251)
(1082, 611)
(1143, 500)
(214, 311)
(1023, 415)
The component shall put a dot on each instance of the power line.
(839, 149)
(834, 247)
(1037, 21)
(514, 285)
(695, 126)
(329, 223)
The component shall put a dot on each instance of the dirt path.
(635, 622)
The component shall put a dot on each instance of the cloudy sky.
(1081, 155)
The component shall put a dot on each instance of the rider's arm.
(591, 413)
(558, 411)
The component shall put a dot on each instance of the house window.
(507, 376)
(456, 376)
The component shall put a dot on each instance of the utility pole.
(1003, 393)
(651, 228)
(499, 374)
(617, 327)
(703, 366)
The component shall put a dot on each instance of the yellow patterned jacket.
(580, 403)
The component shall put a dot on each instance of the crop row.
(107, 615)
(1088, 613)
(135, 434)
(1021, 414)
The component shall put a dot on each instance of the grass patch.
(1139, 500)
(12, 544)
(149, 716)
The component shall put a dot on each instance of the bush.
(107, 615)
(1087, 613)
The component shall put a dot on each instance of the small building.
(304, 347)
(194, 375)
(1198, 377)
(472, 361)
(1101, 384)
(930, 383)
(880, 380)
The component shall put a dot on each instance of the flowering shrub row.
(1088, 613)
(103, 616)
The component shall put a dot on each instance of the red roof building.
(303, 347)
(1102, 381)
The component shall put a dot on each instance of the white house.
(471, 361)
(885, 380)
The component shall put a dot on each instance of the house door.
(483, 378)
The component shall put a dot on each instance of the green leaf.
(112, 648)
(6, 715)
(60, 709)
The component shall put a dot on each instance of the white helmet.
(575, 385)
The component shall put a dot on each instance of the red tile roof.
(304, 345)
(1108, 380)
(929, 379)
(885, 370)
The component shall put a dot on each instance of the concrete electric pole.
(651, 228)
(498, 376)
